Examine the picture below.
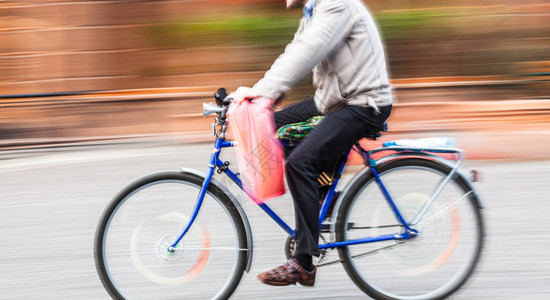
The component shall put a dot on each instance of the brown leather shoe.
(287, 274)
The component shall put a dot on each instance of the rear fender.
(398, 156)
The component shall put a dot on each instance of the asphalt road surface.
(51, 200)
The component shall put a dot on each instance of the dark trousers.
(334, 135)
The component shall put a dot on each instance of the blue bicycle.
(408, 226)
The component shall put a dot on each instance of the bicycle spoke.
(376, 250)
(210, 248)
(445, 208)
(433, 263)
(142, 223)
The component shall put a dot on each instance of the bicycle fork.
(212, 163)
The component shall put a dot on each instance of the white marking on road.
(62, 159)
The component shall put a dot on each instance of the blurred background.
(94, 94)
(83, 69)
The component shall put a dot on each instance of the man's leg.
(335, 134)
(297, 112)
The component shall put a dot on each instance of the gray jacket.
(342, 46)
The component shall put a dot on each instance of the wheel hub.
(163, 245)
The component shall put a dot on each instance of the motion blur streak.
(443, 7)
(94, 94)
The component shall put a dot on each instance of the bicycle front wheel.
(136, 229)
(433, 264)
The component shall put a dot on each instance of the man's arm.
(327, 28)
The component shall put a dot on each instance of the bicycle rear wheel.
(142, 221)
(433, 264)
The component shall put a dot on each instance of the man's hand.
(243, 93)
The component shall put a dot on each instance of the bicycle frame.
(216, 162)
(418, 183)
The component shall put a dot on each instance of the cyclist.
(339, 41)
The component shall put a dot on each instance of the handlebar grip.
(220, 95)
(227, 100)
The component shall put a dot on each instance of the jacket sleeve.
(326, 29)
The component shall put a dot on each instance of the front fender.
(237, 205)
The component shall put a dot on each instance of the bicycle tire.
(387, 285)
(151, 257)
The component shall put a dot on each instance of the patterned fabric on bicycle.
(296, 132)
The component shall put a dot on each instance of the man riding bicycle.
(339, 41)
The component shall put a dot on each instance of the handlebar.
(221, 107)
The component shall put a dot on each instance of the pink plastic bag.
(259, 154)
